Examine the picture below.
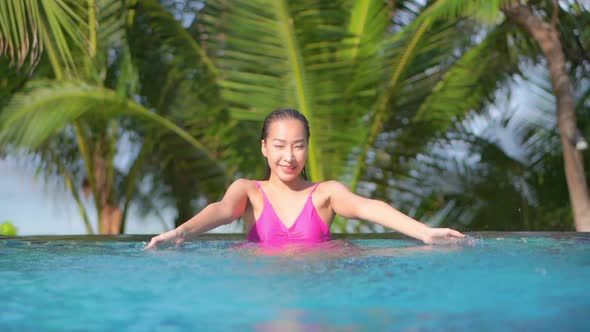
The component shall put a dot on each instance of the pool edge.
(241, 236)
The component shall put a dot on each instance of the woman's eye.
(299, 147)
(278, 146)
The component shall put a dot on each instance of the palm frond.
(298, 57)
(368, 24)
(152, 18)
(469, 85)
(11, 80)
(111, 18)
(484, 10)
(28, 27)
(46, 107)
(106, 20)
(413, 57)
(180, 82)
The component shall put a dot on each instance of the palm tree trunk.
(110, 219)
(110, 215)
(548, 38)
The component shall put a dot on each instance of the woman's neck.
(295, 185)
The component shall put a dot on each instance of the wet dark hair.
(282, 114)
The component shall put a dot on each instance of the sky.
(37, 208)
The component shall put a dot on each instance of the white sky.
(38, 209)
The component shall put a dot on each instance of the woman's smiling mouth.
(288, 169)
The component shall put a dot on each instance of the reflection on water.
(288, 321)
(294, 320)
(344, 249)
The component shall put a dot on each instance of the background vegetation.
(419, 103)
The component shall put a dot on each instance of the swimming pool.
(502, 281)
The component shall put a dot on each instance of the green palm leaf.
(483, 10)
(297, 61)
(179, 80)
(414, 57)
(47, 107)
(469, 85)
(367, 25)
(27, 27)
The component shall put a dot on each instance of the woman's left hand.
(442, 236)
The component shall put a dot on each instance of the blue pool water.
(494, 283)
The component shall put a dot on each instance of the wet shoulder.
(327, 190)
(245, 183)
(331, 187)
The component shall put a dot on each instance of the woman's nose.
(289, 155)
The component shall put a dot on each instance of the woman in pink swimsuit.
(285, 208)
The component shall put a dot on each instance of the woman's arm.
(350, 205)
(230, 208)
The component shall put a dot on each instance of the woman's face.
(285, 148)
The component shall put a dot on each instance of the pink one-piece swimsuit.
(308, 228)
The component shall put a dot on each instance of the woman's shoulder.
(331, 186)
(244, 183)
(242, 186)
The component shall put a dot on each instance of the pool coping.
(241, 236)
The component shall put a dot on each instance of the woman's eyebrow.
(284, 141)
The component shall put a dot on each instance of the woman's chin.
(288, 176)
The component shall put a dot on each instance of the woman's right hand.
(165, 238)
(442, 236)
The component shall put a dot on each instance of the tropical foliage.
(490, 184)
(177, 85)
(8, 229)
(76, 116)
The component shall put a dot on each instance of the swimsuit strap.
(263, 193)
(315, 186)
